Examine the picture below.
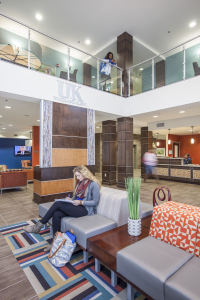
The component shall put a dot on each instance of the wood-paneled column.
(109, 147)
(124, 150)
(146, 144)
(87, 71)
(125, 58)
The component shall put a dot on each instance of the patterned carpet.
(76, 280)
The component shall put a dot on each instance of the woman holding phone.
(85, 198)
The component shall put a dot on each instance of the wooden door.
(176, 149)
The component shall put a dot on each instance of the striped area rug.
(76, 280)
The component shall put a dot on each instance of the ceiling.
(147, 21)
(22, 116)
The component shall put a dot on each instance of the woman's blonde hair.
(83, 170)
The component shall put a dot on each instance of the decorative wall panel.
(180, 173)
(196, 174)
(91, 136)
(47, 134)
(161, 171)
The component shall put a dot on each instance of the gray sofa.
(160, 270)
(112, 211)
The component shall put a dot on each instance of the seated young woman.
(85, 199)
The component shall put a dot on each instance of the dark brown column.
(146, 143)
(87, 74)
(160, 73)
(124, 150)
(109, 146)
(125, 57)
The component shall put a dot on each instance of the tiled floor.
(17, 206)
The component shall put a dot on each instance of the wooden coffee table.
(104, 247)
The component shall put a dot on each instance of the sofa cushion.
(184, 284)
(149, 262)
(88, 226)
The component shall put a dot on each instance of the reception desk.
(173, 169)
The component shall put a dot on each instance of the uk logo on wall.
(68, 93)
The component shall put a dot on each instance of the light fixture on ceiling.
(157, 143)
(111, 81)
(141, 69)
(10, 125)
(192, 139)
(87, 42)
(193, 24)
(39, 17)
(38, 120)
(97, 127)
(169, 141)
(181, 112)
(7, 106)
(155, 116)
(3, 128)
(0, 116)
(190, 130)
(93, 76)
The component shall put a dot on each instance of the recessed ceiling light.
(39, 17)
(0, 116)
(9, 125)
(7, 106)
(181, 112)
(3, 128)
(93, 76)
(190, 130)
(97, 127)
(141, 69)
(193, 24)
(87, 42)
(38, 120)
(111, 81)
(155, 116)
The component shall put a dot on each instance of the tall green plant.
(133, 186)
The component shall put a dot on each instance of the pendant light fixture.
(192, 139)
(169, 141)
(157, 143)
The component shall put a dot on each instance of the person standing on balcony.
(105, 68)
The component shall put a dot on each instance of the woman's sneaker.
(33, 228)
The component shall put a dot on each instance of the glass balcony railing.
(180, 63)
(36, 51)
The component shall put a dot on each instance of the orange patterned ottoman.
(177, 224)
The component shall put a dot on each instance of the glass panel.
(159, 72)
(174, 66)
(109, 78)
(141, 78)
(13, 42)
(89, 71)
(48, 56)
(192, 59)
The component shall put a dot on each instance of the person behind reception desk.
(187, 159)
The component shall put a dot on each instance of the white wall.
(32, 85)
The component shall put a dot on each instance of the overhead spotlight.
(169, 141)
(39, 17)
(155, 116)
(192, 139)
(87, 42)
(10, 125)
(141, 69)
(181, 112)
(193, 24)
(38, 120)
(7, 106)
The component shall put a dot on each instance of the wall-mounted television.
(22, 150)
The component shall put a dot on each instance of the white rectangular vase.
(134, 227)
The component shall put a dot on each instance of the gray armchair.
(72, 76)
(196, 69)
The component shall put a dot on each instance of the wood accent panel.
(35, 145)
(160, 73)
(69, 142)
(50, 198)
(124, 149)
(68, 157)
(52, 187)
(125, 59)
(47, 174)
(109, 147)
(98, 152)
(69, 120)
(87, 74)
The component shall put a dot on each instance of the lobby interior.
(54, 99)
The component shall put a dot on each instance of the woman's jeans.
(61, 209)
